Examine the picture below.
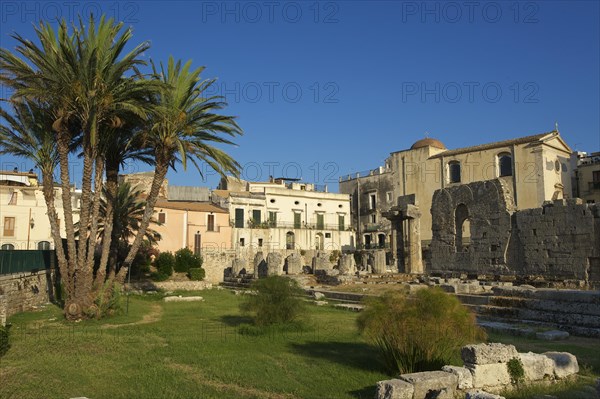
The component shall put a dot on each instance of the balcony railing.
(369, 227)
(292, 225)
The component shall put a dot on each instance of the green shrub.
(277, 301)
(516, 370)
(196, 273)
(165, 262)
(419, 333)
(4, 339)
(185, 260)
(335, 254)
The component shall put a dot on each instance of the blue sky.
(324, 88)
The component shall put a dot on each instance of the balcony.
(370, 227)
(292, 226)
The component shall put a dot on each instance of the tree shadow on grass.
(353, 354)
(236, 321)
(364, 393)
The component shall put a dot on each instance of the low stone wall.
(24, 291)
(485, 370)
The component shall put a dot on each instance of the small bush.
(196, 273)
(4, 339)
(421, 333)
(335, 254)
(185, 260)
(277, 301)
(165, 262)
(516, 371)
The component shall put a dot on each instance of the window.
(297, 220)
(320, 221)
(454, 171)
(290, 240)
(12, 197)
(242, 242)
(239, 218)
(273, 219)
(162, 217)
(373, 218)
(260, 242)
(388, 196)
(198, 242)
(372, 201)
(210, 223)
(9, 227)
(43, 245)
(256, 216)
(596, 176)
(505, 165)
(7, 247)
(341, 225)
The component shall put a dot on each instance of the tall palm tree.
(85, 80)
(185, 126)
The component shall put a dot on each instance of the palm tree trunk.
(160, 171)
(92, 241)
(48, 190)
(112, 182)
(72, 308)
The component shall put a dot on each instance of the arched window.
(290, 240)
(454, 171)
(7, 247)
(381, 240)
(505, 164)
(43, 245)
(462, 226)
(319, 242)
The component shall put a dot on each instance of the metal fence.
(24, 261)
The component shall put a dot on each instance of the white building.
(285, 215)
(24, 220)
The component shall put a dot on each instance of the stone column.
(414, 260)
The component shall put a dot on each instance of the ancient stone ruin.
(485, 372)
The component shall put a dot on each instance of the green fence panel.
(26, 261)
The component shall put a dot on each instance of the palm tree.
(83, 78)
(184, 127)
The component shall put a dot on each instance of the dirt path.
(197, 376)
(153, 316)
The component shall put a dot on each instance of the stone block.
(294, 263)
(260, 266)
(565, 364)
(274, 264)
(347, 264)
(183, 299)
(378, 262)
(394, 389)
(554, 335)
(238, 266)
(479, 394)
(465, 378)
(488, 353)
(489, 375)
(432, 384)
(536, 366)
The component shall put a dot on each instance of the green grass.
(195, 350)
(187, 350)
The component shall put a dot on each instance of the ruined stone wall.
(22, 292)
(556, 240)
(559, 241)
(489, 205)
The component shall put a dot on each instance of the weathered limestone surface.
(465, 378)
(488, 353)
(23, 292)
(260, 265)
(553, 335)
(565, 364)
(274, 264)
(536, 366)
(347, 264)
(394, 389)
(2, 310)
(378, 262)
(238, 266)
(182, 285)
(294, 263)
(183, 299)
(479, 394)
(489, 375)
(321, 262)
(432, 384)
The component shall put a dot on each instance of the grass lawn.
(186, 350)
(194, 350)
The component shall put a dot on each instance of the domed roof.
(428, 142)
